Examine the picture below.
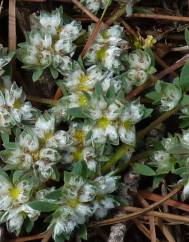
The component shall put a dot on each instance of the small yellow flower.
(79, 135)
(14, 192)
(149, 41)
(103, 122)
(83, 101)
(101, 54)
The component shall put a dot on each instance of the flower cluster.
(92, 119)
(107, 49)
(37, 149)
(49, 44)
(167, 95)
(172, 156)
(140, 67)
(13, 108)
(14, 196)
(78, 200)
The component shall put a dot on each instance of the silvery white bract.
(49, 44)
(115, 121)
(94, 5)
(81, 80)
(13, 108)
(171, 95)
(107, 49)
(140, 67)
(5, 58)
(14, 196)
(37, 149)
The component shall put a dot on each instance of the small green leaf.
(154, 96)
(186, 35)
(83, 232)
(147, 112)
(80, 169)
(80, 61)
(98, 89)
(4, 174)
(29, 225)
(43, 206)
(17, 176)
(77, 112)
(37, 74)
(180, 171)
(54, 73)
(111, 93)
(185, 100)
(184, 77)
(55, 194)
(144, 170)
(156, 181)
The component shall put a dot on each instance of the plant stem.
(42, 100)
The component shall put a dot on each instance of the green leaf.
(185, 100)
(111, 93)
(156, 181)
(54, 73)
(55, 194)
(184, 77)
(151, 53)
(144, 170)
(98, 89)
(17, 176)
(153, 96)
(43, 206)
(4, 174)
(29, 225)
(181, 171)
(80, 169)
(147, 112)
(186, 35)
(83, 232)
(77, 112)
(80, 61)
(37, 74)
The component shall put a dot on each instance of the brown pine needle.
(160, 17)
(170, 202)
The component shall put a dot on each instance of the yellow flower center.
(103, 122)
(83, 78)
(17, 104)
(128, 124)
(149, 42)
(101, 54)
(105, 34)
(79, 136)
(73, 203)
(35, 156)
(48, 135)
(14, 192)
(78, 155)
(83, 101)
(83, 83)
